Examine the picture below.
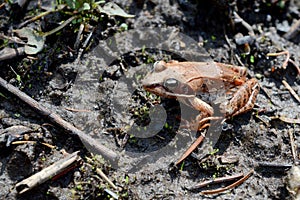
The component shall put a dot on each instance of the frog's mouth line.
(162, 91)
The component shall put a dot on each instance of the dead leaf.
(113, 9)
(35, 42)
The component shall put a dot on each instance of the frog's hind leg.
(243, 100)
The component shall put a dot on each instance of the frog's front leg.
(243, 100)
(205, 109)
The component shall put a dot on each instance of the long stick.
(91, 144)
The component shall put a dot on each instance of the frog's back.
(196, 70)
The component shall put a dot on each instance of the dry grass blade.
(288, 120)
(217, 180)
(33, 142)
(293, 145)
(287, 53)
(235, 184)
(101, 173)
(291, 90)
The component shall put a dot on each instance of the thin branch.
(48, 173)
(8, 53)
(43, 14)
(88, 141)
(244, 23)
(35, 18)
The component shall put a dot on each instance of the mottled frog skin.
(185, 80)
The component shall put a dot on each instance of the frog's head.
(166, 81)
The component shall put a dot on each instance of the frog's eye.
(171, 83)
(159, 66)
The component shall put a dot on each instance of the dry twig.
(217, 180)
(8, 53)
(101, 173)
(293, 145)
(244, 23)
(287, 120)
(291, 90)
(48, 173)
(235, 184)
(273, 165)
(90, 142)
(77, 110)
(43, 14)
(79, 35)
(294, 30)
(33, 142)
(84, 45)
(287, 53)
(2, 5)
(285, 63)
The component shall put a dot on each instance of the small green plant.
(79, 187)
(214, 151)
(2, 95)
(181, 166)
(252, 59)
(126, 179)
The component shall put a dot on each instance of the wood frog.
(227, 85)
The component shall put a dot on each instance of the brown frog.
(185, 81)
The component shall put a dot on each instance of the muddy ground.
(101, 94)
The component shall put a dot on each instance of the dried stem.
(90, 142)
(291, 90)
(287, 53)
(217, 180)
(235, 184)
(48, 173)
